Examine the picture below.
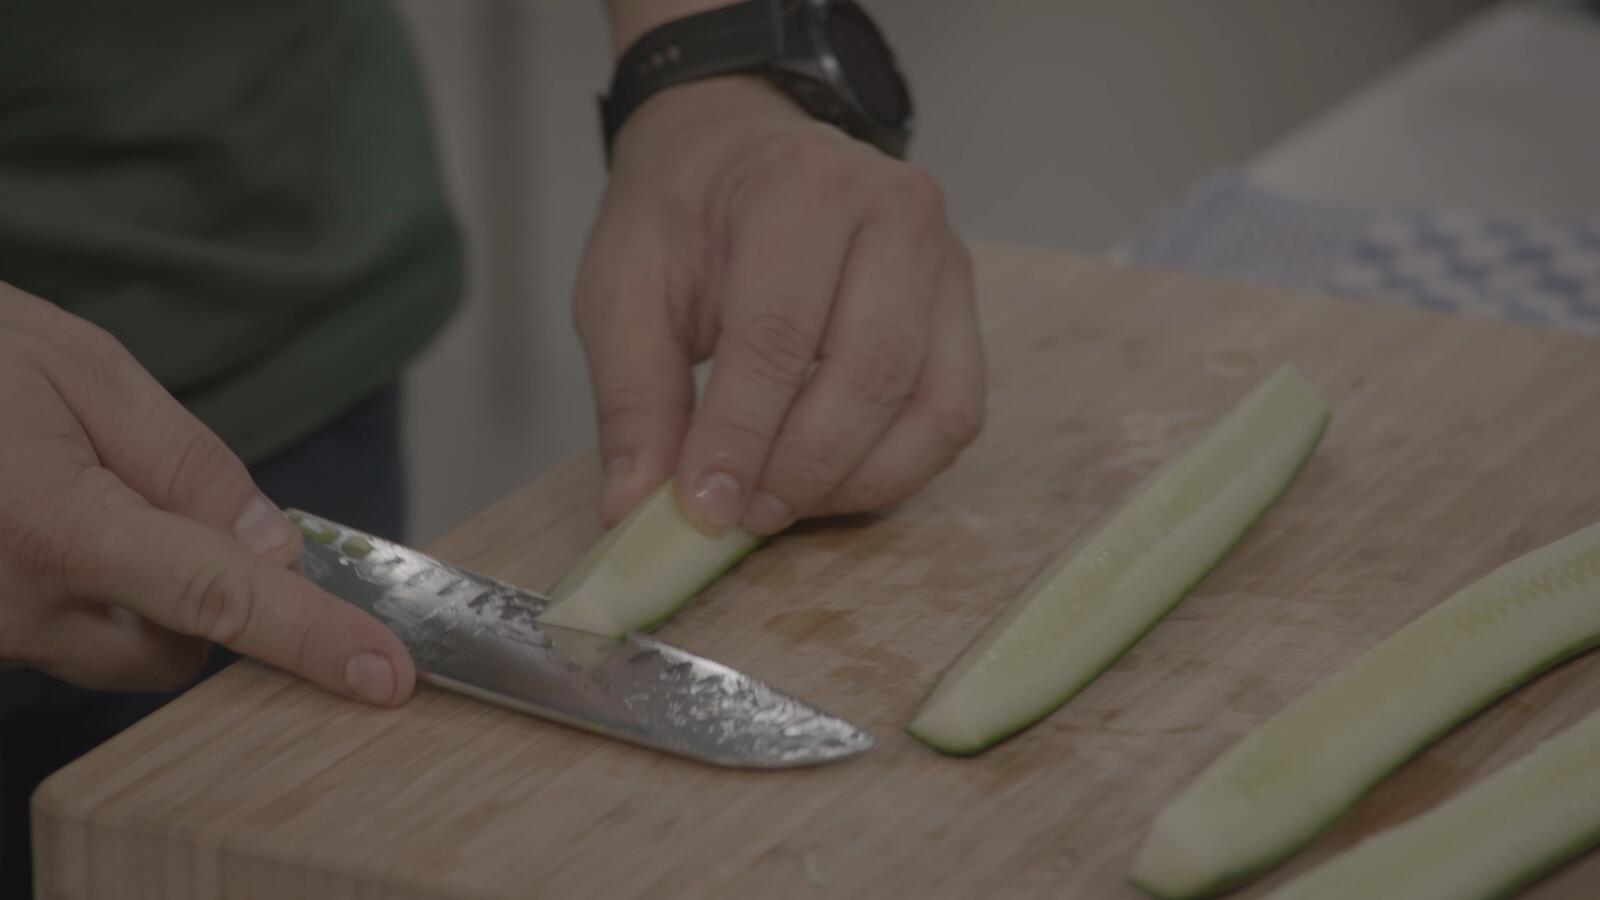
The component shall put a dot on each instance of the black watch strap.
(744, 36)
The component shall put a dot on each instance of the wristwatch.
(825, 54)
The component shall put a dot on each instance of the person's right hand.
(130, 535)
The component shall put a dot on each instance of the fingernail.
(370, 677)
(717, 496)
(262, 527)
(767, 514)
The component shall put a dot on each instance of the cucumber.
(1108, 588)
(1287, 780)
(1488, 841)
(643, 570)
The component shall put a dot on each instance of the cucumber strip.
(1487, 841)
(1287, 780)
(1107, 589)
(643, 570)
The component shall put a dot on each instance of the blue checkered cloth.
(1521, 268)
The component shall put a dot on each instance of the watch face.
(867, 63)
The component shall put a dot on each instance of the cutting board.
(1456, 444)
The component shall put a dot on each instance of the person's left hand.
(822, 278)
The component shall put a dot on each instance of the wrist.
(739, 92)
(702, 105)
(820, 59)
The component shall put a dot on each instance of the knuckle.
(19, 307)
(914, 195)
(218, 602)
(614, 405)
(779, 351)
(628, 416)
(796, 167)
(961, 266)
(865, 496)
(959, 423)
(46, 527)
(98, 341)
(201, 465)
(807, 469)
(40, 538)
(585, 312)
(60, 342)
(300, 639)
(740, 425)
(100, 356)
(815, 159)
(880, 363)
(39, 352)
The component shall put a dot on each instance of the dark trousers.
(350, 472)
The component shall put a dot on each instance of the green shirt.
(245, 193)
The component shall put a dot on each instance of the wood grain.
(1456, 444)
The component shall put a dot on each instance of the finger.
(158, 448)
(109, 648)
(944, 415)
(784, 261)
(640, 372)
(186, 577)
(873, 353)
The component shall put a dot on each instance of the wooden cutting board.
(1456, 444)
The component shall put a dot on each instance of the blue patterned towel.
(1522, 268)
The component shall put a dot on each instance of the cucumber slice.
(1287, 780)
(1487, 841)
(1100, 595)
(643, 570)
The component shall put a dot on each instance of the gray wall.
(1050, 122)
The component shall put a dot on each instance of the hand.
(130, 535)
(824, 281)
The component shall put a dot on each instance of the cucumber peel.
(1108, 588)
(1281, 785)
(644, 570)
(1487, 841)
(313, 530)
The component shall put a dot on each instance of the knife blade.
(481, 637)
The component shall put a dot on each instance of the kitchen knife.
(482, 638)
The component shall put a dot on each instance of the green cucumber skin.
(1049, 709)
(355, 547)
(1547, 866)
(712, 579)
(1250, 871)
(320, 535)
(1147, 889)
(1513, 885)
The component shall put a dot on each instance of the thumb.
(643, 391)
(194, 580)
